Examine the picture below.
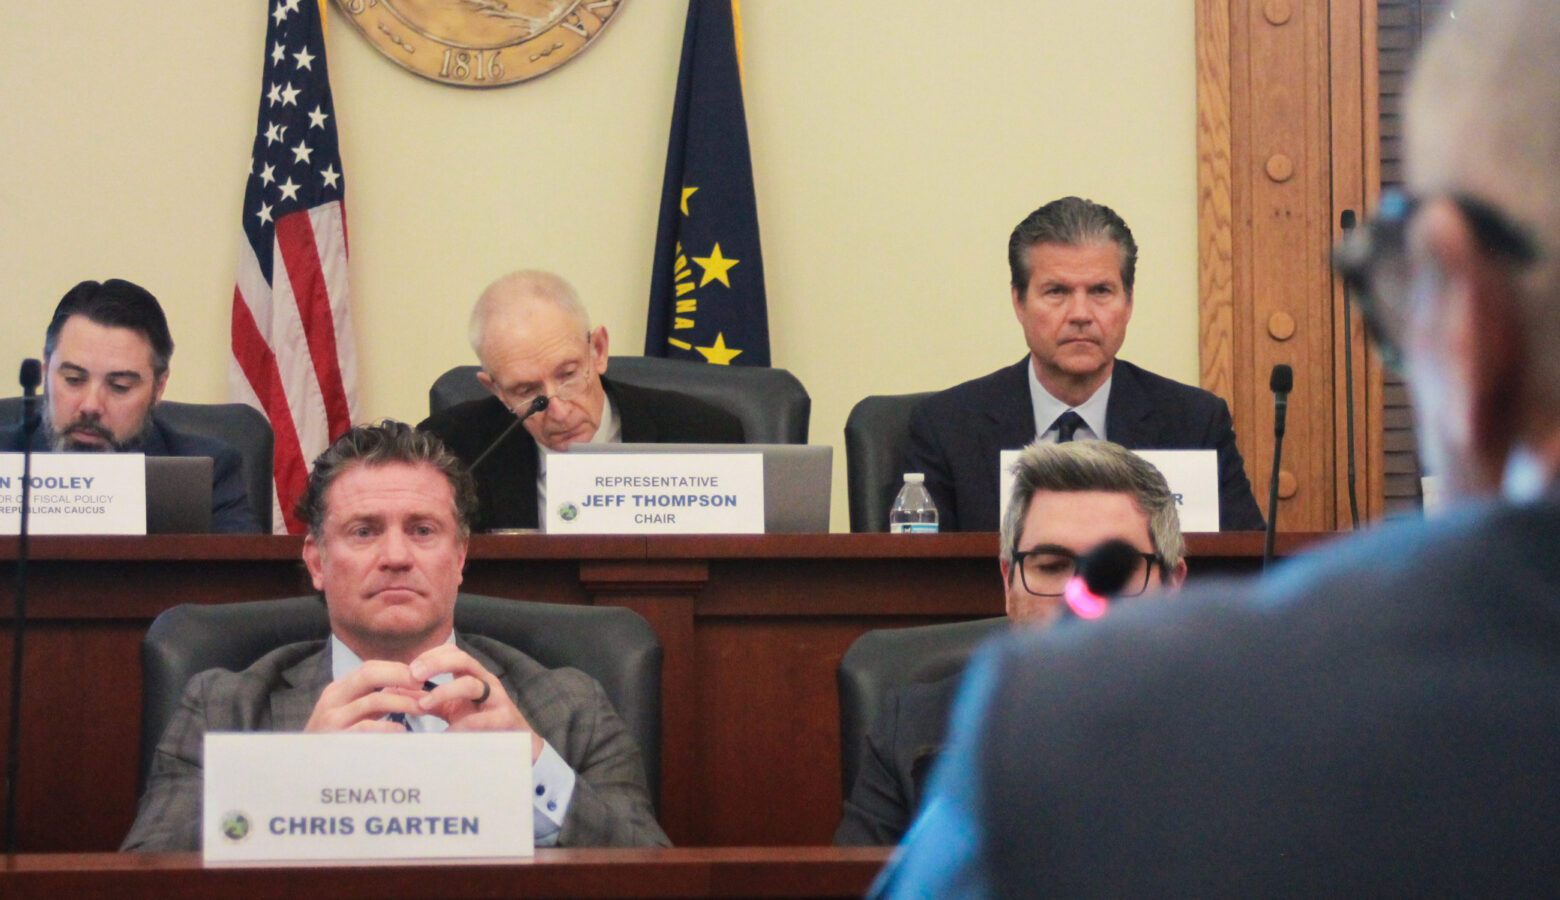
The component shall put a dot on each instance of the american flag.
(293, 353)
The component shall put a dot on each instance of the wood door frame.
(1287, 138)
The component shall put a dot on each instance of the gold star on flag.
(720, 354)
(715, 267)
(687, 192)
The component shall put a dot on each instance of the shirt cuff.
(552, 783)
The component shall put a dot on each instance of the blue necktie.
(400, 718)
(1066, 425)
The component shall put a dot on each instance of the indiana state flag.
(707, 290)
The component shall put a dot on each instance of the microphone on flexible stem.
(1102, 573)
(537, 405)
(1346, 220)
(1281, 383)
(31, 377)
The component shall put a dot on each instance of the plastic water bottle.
(913, 512)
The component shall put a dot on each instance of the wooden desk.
(799, 872)
(753, 626)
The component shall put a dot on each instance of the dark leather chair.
(888, 658)
(772, 404)
(616, 646)
(877, 436)
(240, 426)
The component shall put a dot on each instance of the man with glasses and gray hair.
(534, 339)
(1380, 718)
(1067, 500)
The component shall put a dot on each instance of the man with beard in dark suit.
(1073, 263)
(1375, 720)
(107, 352)
(534, 339)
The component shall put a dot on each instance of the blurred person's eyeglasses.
(1374, 262)
(1045, 570)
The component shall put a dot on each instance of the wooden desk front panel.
(753, 626)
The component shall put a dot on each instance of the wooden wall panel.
(1280, 96)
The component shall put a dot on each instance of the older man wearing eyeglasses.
(1067, 500)
(534, 339)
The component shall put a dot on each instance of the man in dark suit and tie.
(1377, 720)
(534, 339)
(388, 510)
(1073, 264)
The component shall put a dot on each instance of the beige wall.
(895, 146)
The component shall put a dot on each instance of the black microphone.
(1281, 383)
(1346, 220)
(1102, 573)
(31, 377)
(537, 405)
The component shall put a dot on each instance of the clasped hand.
(361, 700)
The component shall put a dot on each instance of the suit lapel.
(1010, 409)
(1129, 414)
(639, 427)
(292, 706)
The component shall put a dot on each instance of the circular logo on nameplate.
(480, 43)
(568, 512)
(235, 826)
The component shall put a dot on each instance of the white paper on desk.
(75, 493)
(1193, 476)
(279, 798)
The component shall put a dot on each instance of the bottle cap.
(914, 478)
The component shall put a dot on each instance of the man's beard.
(64, 440)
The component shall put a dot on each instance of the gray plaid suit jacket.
(610, 805)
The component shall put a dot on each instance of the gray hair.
(385, 443)
(1483, 121)
(1094, 466)
(1071, 222)
(517, 288)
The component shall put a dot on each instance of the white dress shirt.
(1048, 408)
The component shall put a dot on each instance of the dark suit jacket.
(506, 481)
(1380, 719)
(230, 509)
(957, 436)
(610, 805)
(901, 747)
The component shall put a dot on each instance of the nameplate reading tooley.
(75, 493)
(357, 798)
(655, 493)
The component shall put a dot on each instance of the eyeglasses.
(566, 389)
(1374, 262)
(1045, 570)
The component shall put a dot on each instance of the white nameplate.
(1193, 476)
(655, 493)
(280, 798)
(75, 493)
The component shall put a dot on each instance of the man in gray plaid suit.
(389, 513)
